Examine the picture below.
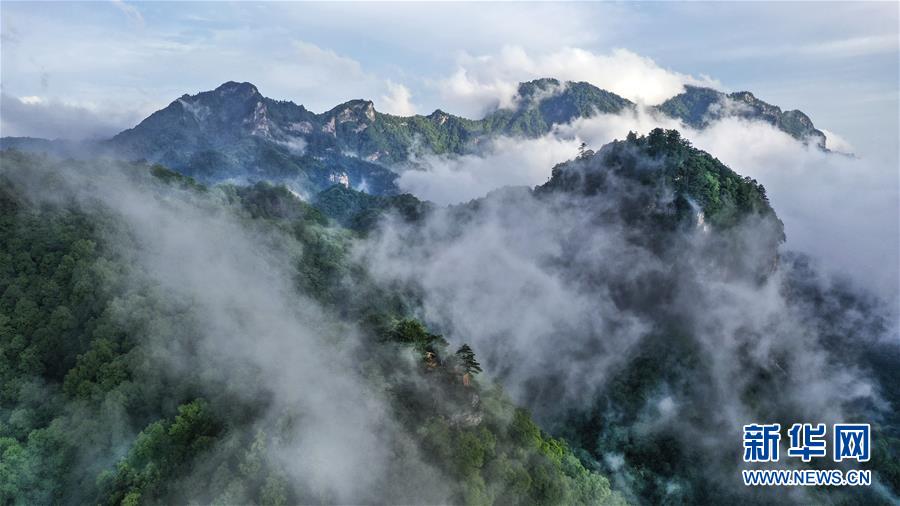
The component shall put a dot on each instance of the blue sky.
(106, 65)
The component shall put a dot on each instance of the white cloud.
(482, 82)
(554, 293)
(847, 47)
(326, 59)
(467, 94)
(837, 143)
(251, 327)
(34, 116)
(504, 161)
(841, 210)
(854, 46)
(131, 12)
(397, 100)
(509, 161)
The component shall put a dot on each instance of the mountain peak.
(698, 106)
(543, 83)
(354, 110)
(746, 96)
(358, 103)
(236, 87)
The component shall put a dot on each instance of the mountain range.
(634, 304)
(234, 133)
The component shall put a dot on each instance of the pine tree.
(581, 149)
(470, 365)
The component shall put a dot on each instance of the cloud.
(514, 161)
(853, 46)
(35, 116)
(326, 60)
(565, 300)
(483, 82)
(316, 77)
(504, 161)
(253, 42)
(227, 284)
(397, 100)
(131, 12)
(837, 143)
(848, 47)
(841, 210)
(309, 74)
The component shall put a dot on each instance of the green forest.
(89, 414)
(126, 380)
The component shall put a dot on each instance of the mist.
(839, 209)
(564, 295)
(246, 333)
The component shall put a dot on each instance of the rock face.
(233, 132)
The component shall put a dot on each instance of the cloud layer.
(246, 332)
(34, 116)
(842, 210)
(567, 299)
(483, 82)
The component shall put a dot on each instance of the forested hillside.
(598, 339)
(115, 388)
(640, 304)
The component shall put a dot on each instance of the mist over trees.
(641, 304)
(165, 341)
(539, 254)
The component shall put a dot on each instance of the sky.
(106, 65)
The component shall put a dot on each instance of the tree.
(584, 152)
(470, 365)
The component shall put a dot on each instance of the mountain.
(542, 103)
(698, 107)
(360, 211)
(234, 133)
(164, 341)
(639, 302)
(116, 387)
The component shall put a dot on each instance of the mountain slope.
(698, 107)
(132, 373)
(639, 304)
(233, 132)
(542, 103)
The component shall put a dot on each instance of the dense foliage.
(666, 187)
(361, 211)
(92, 411)
(106, 395)
(654, 231)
